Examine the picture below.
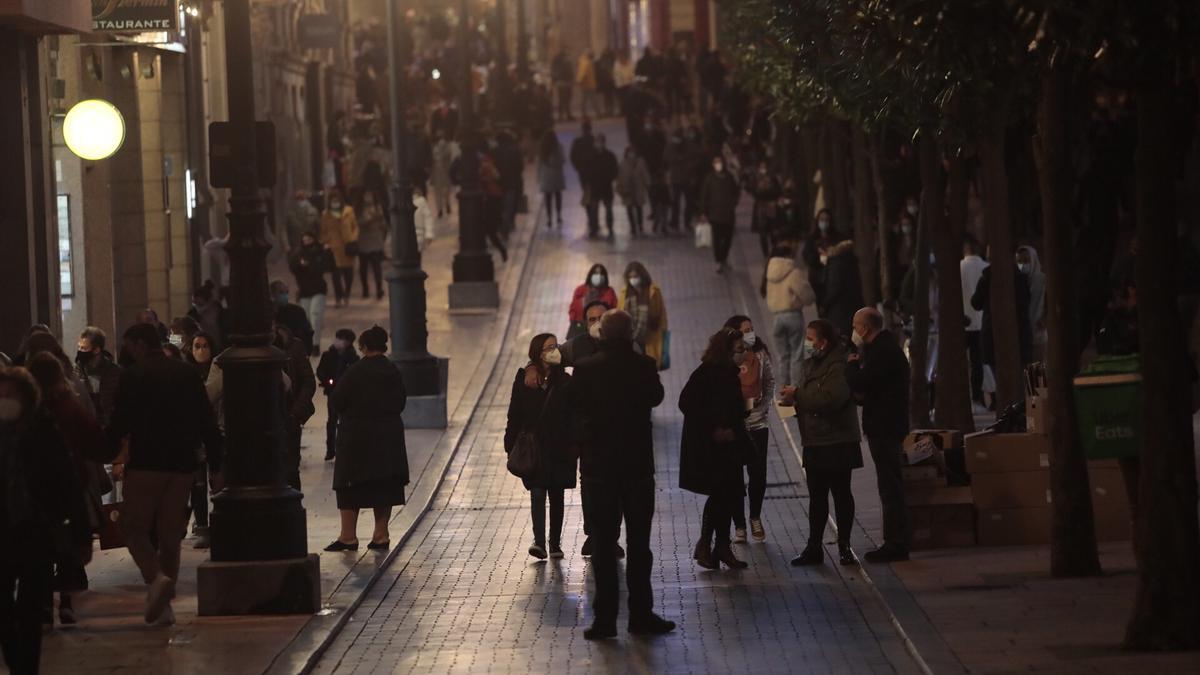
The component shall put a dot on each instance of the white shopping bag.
(704, 235)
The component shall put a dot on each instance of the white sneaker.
(158, 597)
(739, 535)
(167, 618)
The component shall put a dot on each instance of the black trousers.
(756, 473)
(718, 514)
(633, 497)
(24, 584)
(886, 453)
(975, 354)
(593, 215)
(343, 282)
(371, 262)
(537, 506)
(553, 204)
(722, 241)
(331, 426)
(822, 481)
(634, 211)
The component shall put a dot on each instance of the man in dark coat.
(601, 174)
(841, 285)
(719, 195)
(298, 399)
(582, 346)
(613, 394)
(99, 371)
(878, 375)
(291, 315)
(163, 408)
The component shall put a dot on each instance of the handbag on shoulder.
(524, 457)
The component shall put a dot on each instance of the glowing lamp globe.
(94, 129)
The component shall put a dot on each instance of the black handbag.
(524, 458)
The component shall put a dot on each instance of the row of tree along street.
(1067, 122)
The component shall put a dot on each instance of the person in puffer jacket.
(786, 287)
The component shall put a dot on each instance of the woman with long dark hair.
(538, 411)
(715, 443)
(757, 379)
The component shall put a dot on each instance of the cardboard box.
(1015, 489)
(1036, 417)
(950, 438)
(989, 452)
(1110, 505)
(1013, 527)
(923, 476)
(941, 517)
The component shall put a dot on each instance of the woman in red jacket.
(594, 287)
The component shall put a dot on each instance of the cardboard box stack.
(941, 516)
(1010, 481)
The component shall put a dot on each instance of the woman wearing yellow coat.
(643, 300)
(339, 234)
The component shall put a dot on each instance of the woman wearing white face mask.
(537, 418)
(594, 287)
(642, 299)
(758, 391)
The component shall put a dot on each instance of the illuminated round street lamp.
(94, 129)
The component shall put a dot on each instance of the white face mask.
(594, 330)
(175, 339)
(823, 225)
(718, 167)
(1024, 267)
(635, 281)
(912, 209)
(10, 410)
(856, 338)
(597, 279)
(749, 338)
(810, 346)
(553, 357)
(335, 206)
(824, 259)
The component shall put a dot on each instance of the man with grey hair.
(878, 374)
(612, 395)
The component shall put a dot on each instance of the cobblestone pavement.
(464, 595)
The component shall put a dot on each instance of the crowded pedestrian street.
(353, 337)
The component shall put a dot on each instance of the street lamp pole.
(474, 286)
(259, 557)
(406, 281)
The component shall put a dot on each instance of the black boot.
(846, 554)
(813, 555)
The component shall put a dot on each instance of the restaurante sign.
(133, 16)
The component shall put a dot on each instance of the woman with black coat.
(715, 444)
(539, 407)
(371, 467)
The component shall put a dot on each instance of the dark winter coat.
(982, 300)
(719, 194)
(333, 366)
(369, 402)
(582, 150)
(880, 380)
(712, 399)
(842, 293)
(545, 413)
(101, 374)
(601, 173)
(299, 398)
(309, 265)
(612, 394)
(296, 320)
(578, 348)
(163, 407)
(826, 414)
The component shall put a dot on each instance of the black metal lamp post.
(259, 558)
(406, 281)
(474, 286)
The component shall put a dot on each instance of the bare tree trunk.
(953, 405)
(1006, 346)
(838, 182)
(932, 192)
(864, 236)
(1072, 536)
(881, 229)
(1166, 613)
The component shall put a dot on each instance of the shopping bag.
(111, 535)
(523, 458)
(704, 235)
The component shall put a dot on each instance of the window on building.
(66, 279)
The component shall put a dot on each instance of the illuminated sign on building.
(134, 16)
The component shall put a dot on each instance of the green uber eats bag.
(1108, 407)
